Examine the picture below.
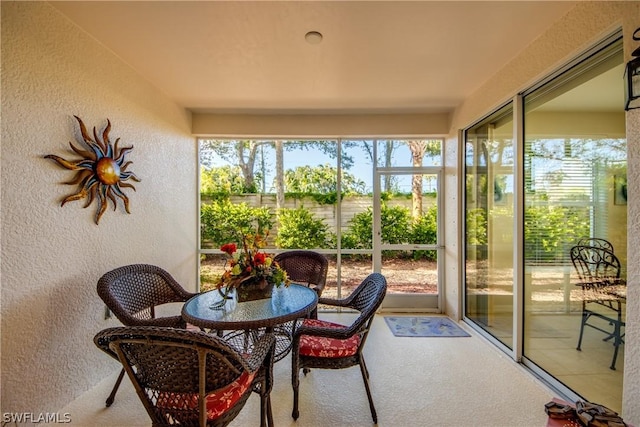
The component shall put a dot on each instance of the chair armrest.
(334, 302)
(337, 333)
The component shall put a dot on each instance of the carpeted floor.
(433, 326)
(414, 383)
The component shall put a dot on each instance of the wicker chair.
(132, 292)
(598, 271)
(326, 345)
(191, 378)
(306, 268)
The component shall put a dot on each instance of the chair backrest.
(366, 299)
(305, 267)
(173, 370)
(596, 242)
(595, 265)
(131, 292)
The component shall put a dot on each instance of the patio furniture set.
(199, 368)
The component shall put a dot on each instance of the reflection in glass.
(489, 169)
(574, 149)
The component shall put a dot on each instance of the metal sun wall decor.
(101, 171)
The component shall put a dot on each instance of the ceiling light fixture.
(313, 37)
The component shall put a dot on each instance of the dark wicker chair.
(326, 345)
(191, 378)
(598, 271)
(306, 268)
(133, 291)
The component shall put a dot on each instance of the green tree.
(240, 153)
(321, 179)
(221, 180)
(419, 148)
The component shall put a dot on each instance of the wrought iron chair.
(596, 242)
(603, 292)
(132, 293)
(191, 378)
(325, 345)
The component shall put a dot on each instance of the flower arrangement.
(250, 264)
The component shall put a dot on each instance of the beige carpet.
(415, 382)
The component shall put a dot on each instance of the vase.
(226, 301)
(251, 290)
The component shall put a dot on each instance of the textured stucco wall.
(52, 256)
(631, 391)
(583, 26)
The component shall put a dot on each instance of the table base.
(243, 340)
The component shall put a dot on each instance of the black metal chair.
(325, 345)
(191, 378)
(132, 293)
(596, 242)
(603, 293)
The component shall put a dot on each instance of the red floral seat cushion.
(218, 402)
(327, 347)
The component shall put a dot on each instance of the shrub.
(396, 227)
(298, 229)
(550, 231)
(476, 226)
(425, 231)
(222, 222)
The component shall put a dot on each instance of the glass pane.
(411, 271)
(412, 152)
(356, 197)
(233, 191)
(489, 169)
(307, 215)
(575, 174)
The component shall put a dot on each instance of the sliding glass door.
(575, 169)
(569, 163)
(489, 211)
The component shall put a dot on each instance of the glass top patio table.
(286, 304)
(246, 321)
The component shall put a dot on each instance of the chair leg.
(295, 383)
(585, 317)
(266, 415)
(269, 412)
(112, 396)
(617, 332)
(365, 378)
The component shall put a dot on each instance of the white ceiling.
(376, 56)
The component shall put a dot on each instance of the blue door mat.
(435, 326)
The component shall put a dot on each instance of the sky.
(361, 167)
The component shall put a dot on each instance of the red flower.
(229, 248)
(259, 258)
